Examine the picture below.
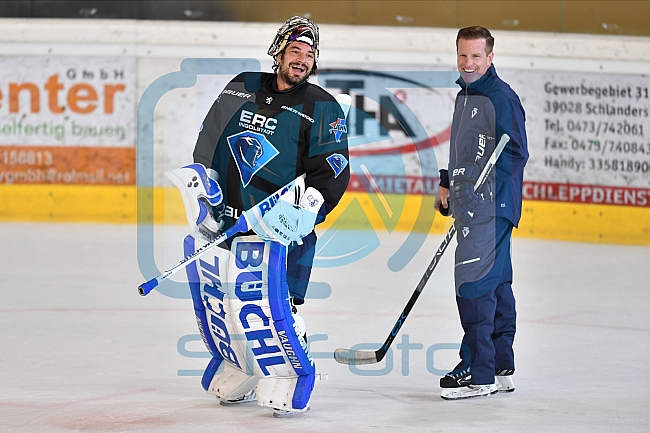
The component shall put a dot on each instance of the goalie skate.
(279, 413)
(250, 397)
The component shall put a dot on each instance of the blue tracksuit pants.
(486, 304)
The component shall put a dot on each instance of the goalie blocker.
(242, 308)
(201, 196)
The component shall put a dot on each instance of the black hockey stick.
(357, 357)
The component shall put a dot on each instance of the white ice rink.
(81, 351)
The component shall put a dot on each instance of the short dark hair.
(477, 32)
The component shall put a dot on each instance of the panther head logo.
(250, 149)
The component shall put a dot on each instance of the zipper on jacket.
(462, 115)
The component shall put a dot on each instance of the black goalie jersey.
(259, 139)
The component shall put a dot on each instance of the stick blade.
(355, 357)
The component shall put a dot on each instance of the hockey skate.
(250, 397)
(279, 413)
(456, 378)
(469, 391)
(504, 380)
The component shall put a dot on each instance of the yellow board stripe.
(68, 203)
(118, 204)
(585, 223)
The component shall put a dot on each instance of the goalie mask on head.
(295, 29)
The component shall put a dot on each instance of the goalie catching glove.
(201, 194)
(287, 222)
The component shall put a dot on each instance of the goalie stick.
(241, 226)
(358, 357)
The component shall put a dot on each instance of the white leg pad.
(232, 383)
(277, 393)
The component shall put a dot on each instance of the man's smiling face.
(472, 60)
(295, 64)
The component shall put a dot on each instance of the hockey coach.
(486, 108)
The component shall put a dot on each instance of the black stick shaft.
(381, 352)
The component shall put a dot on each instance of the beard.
(287, 75)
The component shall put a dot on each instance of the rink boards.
(117, 204)
(77, 143)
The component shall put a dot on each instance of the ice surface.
(82, 351)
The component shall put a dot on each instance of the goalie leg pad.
(231, 384)
(210, 371)
(241, 301)
(211, 303)
(284, 393)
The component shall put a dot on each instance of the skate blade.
(236, 403)
(451, 395)
(287, 414)
(505, 384)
